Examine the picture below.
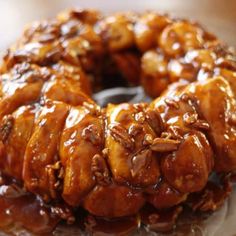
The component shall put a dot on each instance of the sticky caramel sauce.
(21, 211)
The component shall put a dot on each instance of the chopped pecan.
(53, 186)
(164, 145)
(190, 118)
(55, 175)
(185, 97)
(172, 103)
(155, 121)
(91, 134)
(166, 135)
(100, 170)
(22, 68)
(70, 28)
(228, 62)
(189, 98)
(105, 152)
(201, 124)
(140, 117)
(46, 38)
(148, 139)
(135, 129)
(140, 161)
(120, 134)
(192, 101)
(175, 132)
(52, 56)
(93, 108)
(6, 127)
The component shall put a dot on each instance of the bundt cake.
(58, 144)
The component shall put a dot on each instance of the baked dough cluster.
(63, 147)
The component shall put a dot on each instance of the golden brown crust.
(64, 147)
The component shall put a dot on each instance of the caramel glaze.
(64, 148)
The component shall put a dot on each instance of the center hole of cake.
(121, 94)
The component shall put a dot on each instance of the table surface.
(219, 16)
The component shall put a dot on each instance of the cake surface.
(58, 144)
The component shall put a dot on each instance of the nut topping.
(164, 145)
(148, 139)
(120, 134)
(91, 134)
(155, 121)
(201, 124)
(140, 117)
(189, 118)
(171, 103)
(100, 170)
(175, 132)
(135, 129)
(5, 127)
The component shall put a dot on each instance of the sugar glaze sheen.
(66, 153)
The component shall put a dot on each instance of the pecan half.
(100, 170)
(6, 127)
(201, 124)
(164, 145)
(155, 121)
(120, 134)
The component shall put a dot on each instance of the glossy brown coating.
(130, 159)
(40, 158)
(165, 196)
(113, 201)
(111, 161)
(187, 169)
(82, 138)
(15, 145)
